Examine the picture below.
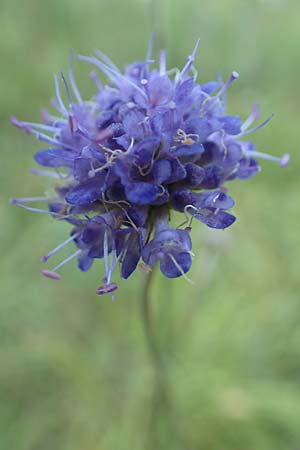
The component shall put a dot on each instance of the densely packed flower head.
(150, 141)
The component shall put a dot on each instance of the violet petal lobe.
(142, 193)
(87, 192)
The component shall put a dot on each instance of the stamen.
(27, 126)
(282, 161)
(114, 202)
(73, 124)
(189, 220)
(285, 159)
(55, 120)
(103, 135)
(190, 207)
(116, 261)
(129, 218)
(111, 265)
(195, 72)
(61, 105)
(93, 172)
(144, 171)
(115, 76)
(66, 88)
(118, 204)
(186, 139)
(179, 268)
(105, 251)
(162, 190)
(117, 152)
(34, 199)
(48, 173)
(190, 62)
(50, 274)
(234, 75)
(108, 71)
(45, 138)
(42, 211)
(19, 124)
(60, 246)
(84, 133)
(214, 200)
(175, 71)
(65, 261)
(252, 130)
(107, 60)
(55, 105)
(96, 80)
(72, 79)
(53, 273)
(254, 115)
(130, 146)
(107, 289)
(108, 150)
(45, 116)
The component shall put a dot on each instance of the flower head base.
(147, 143)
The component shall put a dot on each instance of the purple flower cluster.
(151, 141)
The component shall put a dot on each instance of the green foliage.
(75, 373)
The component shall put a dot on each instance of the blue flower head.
(150, 141)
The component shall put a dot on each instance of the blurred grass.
(75, 373)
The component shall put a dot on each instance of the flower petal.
(87, 192)
(132, 255)
(55, 157)
(142, 193)
(172, 270)
(214, 218)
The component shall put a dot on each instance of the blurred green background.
(75, 373)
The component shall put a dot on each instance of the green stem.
(160, 409)
(153, 347)
(163, 426)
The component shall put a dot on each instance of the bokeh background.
(75, 373)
